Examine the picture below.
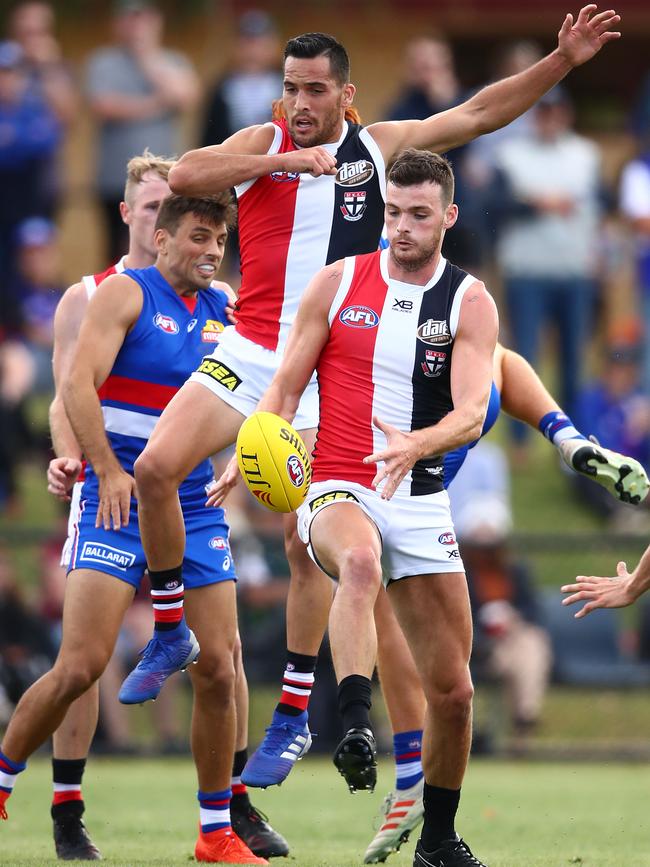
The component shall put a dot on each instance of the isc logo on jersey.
(211, 331)
(353, 174)
(358, 316)
(434, 332)
(166, 323)
(273, 461)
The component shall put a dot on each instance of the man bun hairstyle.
(414, 166)
(310, 45)
(137, 167)
(209, 209)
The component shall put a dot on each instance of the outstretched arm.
(616, 592)
(498, 104)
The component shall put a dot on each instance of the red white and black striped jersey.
(92, 281)
(388, 355)
(291, 225)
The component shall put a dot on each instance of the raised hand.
(579, 42)
(600, 592)
(314, 161)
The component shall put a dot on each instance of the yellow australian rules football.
(273, 461)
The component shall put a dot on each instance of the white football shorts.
(417, 533)
(73, 520)
(239, 372)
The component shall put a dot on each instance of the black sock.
(68, 772)
(355, 700)
(440, 806)
(240, 799)
(166, 593)
(294, 703)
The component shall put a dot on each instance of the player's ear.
(125, 213)
(451, 215)
(160, 238)
(348, 94)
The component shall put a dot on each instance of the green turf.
(513, 814)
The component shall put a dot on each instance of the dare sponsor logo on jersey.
(220, 372)
(332, 497)
(211, 331)
(358, 316)
(354, 174)
(166, 323)
(282, 177)
(97, 552)
(434, 362)
(434, 332)
(447, 538)
(354, 205)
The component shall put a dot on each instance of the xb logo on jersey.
(166, 323)
(357, 316)
(354, 205)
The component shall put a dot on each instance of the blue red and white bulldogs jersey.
(290, 225)
(388, 354)
(164, 346)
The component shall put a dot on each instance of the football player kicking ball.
(372, 326)
(518, 391)
(138, 353)
(146, 187)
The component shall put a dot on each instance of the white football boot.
(401, 812)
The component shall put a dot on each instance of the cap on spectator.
(11, 54)
(255, 23)
(483, 521)
(35, 232)
(624, 344)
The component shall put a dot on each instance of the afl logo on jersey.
(354, 174)
(218, 543)
(284, 176)
(434, 332)
(358, 316)
(447, 539)
(166, 323)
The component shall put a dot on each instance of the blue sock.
(214, 808)
(407, 747)
(557, 427)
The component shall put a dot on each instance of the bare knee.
(74, 677)
(294, 547)
(360, 572)
(451, 702)
(154, 473)
(214, 676)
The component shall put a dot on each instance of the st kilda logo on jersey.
(434, 362)
(166, 323)
(435, 332)
(354, 174)
(354, 205)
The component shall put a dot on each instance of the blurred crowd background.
(555, 217)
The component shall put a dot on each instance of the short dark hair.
(316, 44)
(413, 166)
(210, 209)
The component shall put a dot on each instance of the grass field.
(512, 814)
